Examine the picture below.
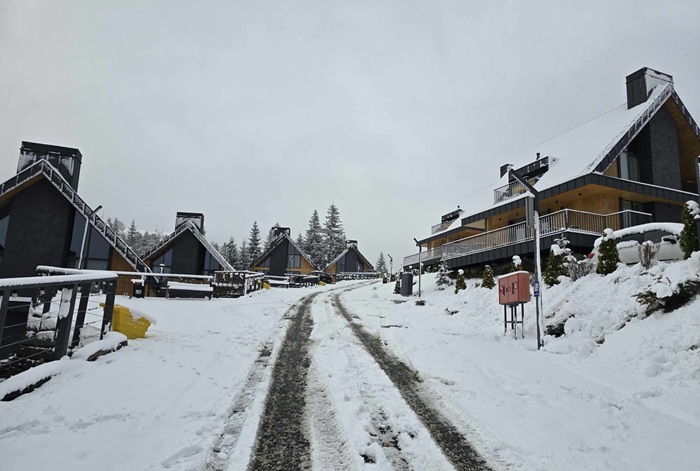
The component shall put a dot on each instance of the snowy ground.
(619, 391)
(159, 403)
(628, 403)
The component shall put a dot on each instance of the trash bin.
(137, 289)
(406, 284)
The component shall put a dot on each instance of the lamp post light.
(85, 232)
(391, 266)
(420, 264)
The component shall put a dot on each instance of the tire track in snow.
(238, 413)
(454, 444)
(282, 443)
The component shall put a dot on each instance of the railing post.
(110, 289)
(64, 321)
(3, 311)
(566, 218)
(82, 309)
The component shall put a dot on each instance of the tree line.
(321, 242)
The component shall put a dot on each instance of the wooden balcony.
(567, 220)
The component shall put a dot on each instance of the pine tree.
(254, 244)
(244, 261)
(608, 256)
(689, 234)
(132, 235)
(300, 242)
(230, 252)
(461, 282)
(333, 234)
(555, 268)
(487, 280)
(313, 241)
(381, 264)
(442, 279)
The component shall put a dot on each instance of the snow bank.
(110, 342)
(35, 375)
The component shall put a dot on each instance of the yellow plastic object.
(266, 285)
(123, 322)
(322, 283)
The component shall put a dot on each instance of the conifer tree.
(608, 256)
(313, 241)
(300, 242)
(333, 234)
(689, 234)
(244, 257)
(230, 252)
(487, 280)
(442, 279)
(254, 250)
(132, 234)
(461, 282)
(269, 240)
(380, 267)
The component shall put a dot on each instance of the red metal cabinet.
(514, 288)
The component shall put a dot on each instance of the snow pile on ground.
(617, 391)
(110, 342)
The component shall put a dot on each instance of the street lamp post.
(538, 264)
(420, 264)
(85, 232)
(391, 266)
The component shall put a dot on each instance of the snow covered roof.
(277, 242)
(192, 227)
(578, 151)
(342, 254)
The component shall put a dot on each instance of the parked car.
(665, 237)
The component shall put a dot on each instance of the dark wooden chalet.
(284, 256)
(350, 260)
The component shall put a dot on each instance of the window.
(293, 257)
(632, 219)
(265, 263)
(76, 241)
(629, 166)
(211, 265)
(4, 222)
(340, 265)
(166, 260)
(97, 252)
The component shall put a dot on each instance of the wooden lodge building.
(284, 256)
(350, 260)
(632, 165)
(43, 221)
(186, 251)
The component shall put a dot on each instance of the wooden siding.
(119, 263)
(688, 143)
(613, 169)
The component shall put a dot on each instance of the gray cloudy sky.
(265, 111)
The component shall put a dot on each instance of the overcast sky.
(394, 111)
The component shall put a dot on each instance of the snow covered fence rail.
(35, 328)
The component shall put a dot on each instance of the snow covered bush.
(442, 279)
(397, 285)
(516, 263)
(647, 251)
(578, 269)
(608, 257)
(487, 278)
(689, 234)
(556, 263)
(461, 281)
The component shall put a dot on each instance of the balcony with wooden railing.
(565, 220)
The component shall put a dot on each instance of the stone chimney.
(65, 159)
(278, 231)
(348, 243)
(641, 83)
(196, 218)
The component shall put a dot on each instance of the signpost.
(534, 217)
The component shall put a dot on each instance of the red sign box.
(514, 288)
